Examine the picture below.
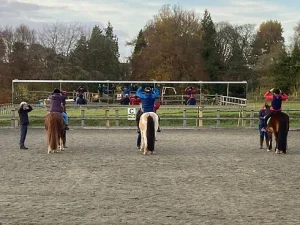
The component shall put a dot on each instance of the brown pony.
(279, 126)
(55, 128)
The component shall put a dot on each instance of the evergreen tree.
(295, 66)
(112, 54)
(209, 52)
(140, 43)
(96, 51)
(78, 56)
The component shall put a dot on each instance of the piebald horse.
(148, 126)
(55, 128)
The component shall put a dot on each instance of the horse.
(55, 128)
(148, 126)
(279, 125)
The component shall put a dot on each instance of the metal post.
(117, 117)
(12, 92)
(184, 118)
(252, 118)
(12, 114)
(200, 88)
(218, 117)
(227, 89)
(82, 113)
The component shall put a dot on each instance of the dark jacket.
(191, 101)
(81, 101)
(261, 116)
(56, 101)
(125, 101)
(148, 99)
(23, 114)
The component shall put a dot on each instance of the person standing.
(23, 111)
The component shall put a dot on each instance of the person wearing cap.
(23, 111)
(57, 104)
(148, 101)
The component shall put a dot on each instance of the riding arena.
(207, 167)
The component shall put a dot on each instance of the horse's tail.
(283, 132)
(52, 131)
(150, 133)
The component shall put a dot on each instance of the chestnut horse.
(55, 128)
(278, 125)
(148, 126)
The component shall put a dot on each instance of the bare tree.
(25, 35)
(8, 38)
(61, 37)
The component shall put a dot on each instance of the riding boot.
(261, 142)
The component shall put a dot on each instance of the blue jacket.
(126, 90)
(148, 99)
(191, 101)
(81, 101)
(23, 114)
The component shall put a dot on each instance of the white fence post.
(218, 117)
(117, 117)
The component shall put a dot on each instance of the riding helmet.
(56, 90)
(147, 89)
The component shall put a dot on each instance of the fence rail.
(110, 117)
(5, 109)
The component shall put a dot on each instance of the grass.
(169, 116)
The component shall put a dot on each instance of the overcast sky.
(129, 16)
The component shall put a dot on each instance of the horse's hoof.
(144, 153)
(268, 150)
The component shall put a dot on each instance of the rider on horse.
(57, 104)
(276, 100)
(148, 101)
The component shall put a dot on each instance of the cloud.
(129, 16)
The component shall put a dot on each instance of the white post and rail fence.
(173, 116)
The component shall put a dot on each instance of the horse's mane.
(150, 133)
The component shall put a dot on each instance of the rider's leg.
(139, 139)
(66, 120)
(137, 119)
(158, 130)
